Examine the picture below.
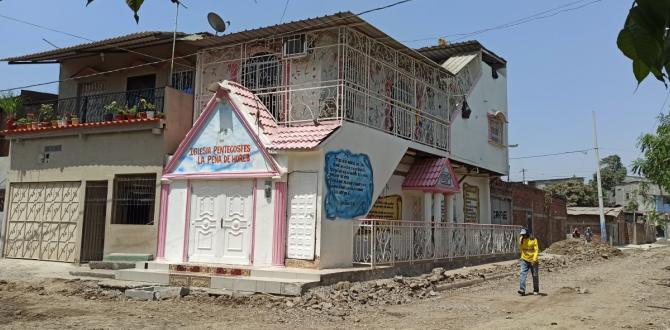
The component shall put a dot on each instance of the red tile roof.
(425, 175)
(303, 136)
(81, 125)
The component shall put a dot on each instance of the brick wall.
(544, 215)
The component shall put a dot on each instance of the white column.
(437, 207)
(449, 205)
(427, 206)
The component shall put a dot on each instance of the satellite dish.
(216, 22)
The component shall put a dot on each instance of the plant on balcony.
(121, 113)
(63, 121)
(148, 107)
(74, 119)
(10, 104)
(132, 112)
(22, 123)
(110, 110)
(46, 115)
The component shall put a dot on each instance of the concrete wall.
(4, 168)
(470, 139)
(95, 158)
(175, 222)
(481, 182)
(178, 117)
(116, 81)
(264, 226)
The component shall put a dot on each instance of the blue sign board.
(349, 184)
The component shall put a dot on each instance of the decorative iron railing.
(388, 242)
(91, 108)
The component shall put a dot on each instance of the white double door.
(221, 222)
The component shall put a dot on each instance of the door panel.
(237, 222)
(301, 231)
(221, 221)
(95, 213)
(204, 222)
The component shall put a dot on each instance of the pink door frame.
(279, 232)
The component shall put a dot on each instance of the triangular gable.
(221, 143)
(432, 175)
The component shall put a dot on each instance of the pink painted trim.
(199, 123)
(202, 120)
(253, 221)
(187, 224)
(227, 175)
(162, 221)
(254, 137)
(279, 232)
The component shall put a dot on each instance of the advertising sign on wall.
(387, 208)
(349, 184)
(470, 203)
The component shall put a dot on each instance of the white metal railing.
(387, 242)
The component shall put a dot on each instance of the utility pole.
(523, 175)
(603, 226)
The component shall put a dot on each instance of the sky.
(560, 68)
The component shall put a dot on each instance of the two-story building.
(305, 131)
(85, 167)
(646, 196)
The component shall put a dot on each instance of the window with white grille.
(294, 45)
(183, 81)
(496, 130)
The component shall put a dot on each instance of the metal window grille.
(134, 199)
(183, 81)
(294, 45)
(496, 130)
(2, 200)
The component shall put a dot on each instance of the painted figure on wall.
(349, 184)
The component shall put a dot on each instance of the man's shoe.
(521, 293)
(535, 293)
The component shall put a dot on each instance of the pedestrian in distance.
(588, 235)
(575, 233)
(529, 261)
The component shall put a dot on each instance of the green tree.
(644, 39)
(655, 148)
(612, 173)
(575, 193)
(134, 5)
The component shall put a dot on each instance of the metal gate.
(93, 231)
(501, 211)
(42, 221)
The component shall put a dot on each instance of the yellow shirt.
(529, 249)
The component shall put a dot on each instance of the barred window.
(183, 81)
(134, 199)
(496, 130)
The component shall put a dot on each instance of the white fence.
(387, 242)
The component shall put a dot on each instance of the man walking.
(530, 250)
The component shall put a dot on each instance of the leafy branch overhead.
(655, 149)
(645, 39)
(134, 5)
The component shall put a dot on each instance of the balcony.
(91, 108)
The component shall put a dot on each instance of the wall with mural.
(349, 184)
(223, 145)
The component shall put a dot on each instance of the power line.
(583, 151)
(195, 53)
(283, 14)
(75, 36)
(537, 16)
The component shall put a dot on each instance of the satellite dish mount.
(217, 23)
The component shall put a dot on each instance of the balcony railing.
(388, 242)
(91, 108)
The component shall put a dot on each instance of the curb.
(464, 284)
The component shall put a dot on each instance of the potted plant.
(132, 112)
(148, 107)
(54, 123)
(46, 114)
(63, 121)
(22, 123)
(10, 104)
(74, 119)
(110, 110)
(120, 114)
(159, 115)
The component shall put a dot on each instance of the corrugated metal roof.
(323, 22)
(612, 211)
(441, 53)
(140, 39)
(456, 63)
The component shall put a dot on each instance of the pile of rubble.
(580, 250)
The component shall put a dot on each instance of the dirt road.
(632, 291)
